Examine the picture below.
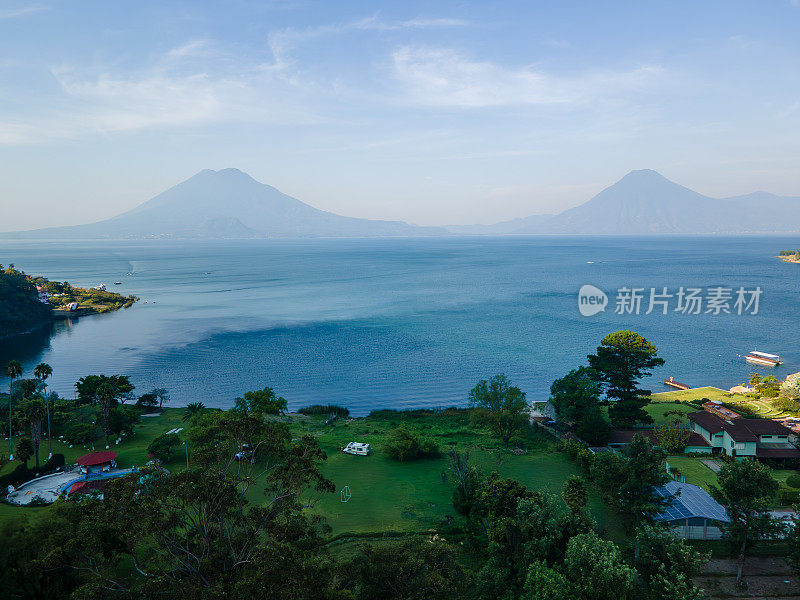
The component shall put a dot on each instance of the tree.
(147, 401)
(671, 437)
(597, 570)
(469, 482)
(192, 409)
(163, 446)
(407, 570)
(576, 398)
(87, 387)
(404, 445)
(24, 450)
(593, 427)
(574, 494)
(32, 411)
(667, 565)
(162, 395)
(574, 393)
(746, 489)
(755, 379)
(42, 371)
(194, 534)
(644, 471)
(544, 583)
(623, 358)
(261, 402)
(791, 386)
(13, 370)
(106, 398)
(501, 406)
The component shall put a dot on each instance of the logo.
(591, 300)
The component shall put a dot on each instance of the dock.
(676, 384)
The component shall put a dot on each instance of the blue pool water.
(400, 322)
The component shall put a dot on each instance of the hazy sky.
(430, 112)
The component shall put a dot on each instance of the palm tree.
(106, 397)
(33, 411)
(192, 409)
(42, 371)
(13, 369)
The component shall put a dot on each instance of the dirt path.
(766, 578)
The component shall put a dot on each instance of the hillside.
(646, 203)
(20, 309)
(227, 204)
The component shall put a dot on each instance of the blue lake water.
(398, 323)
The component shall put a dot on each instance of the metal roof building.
(692, 513)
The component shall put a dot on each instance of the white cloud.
(443, 77)
(13, 13)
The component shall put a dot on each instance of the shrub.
(571, 447)
(325, 409)
(788, 497)
(20, 474)
(405, 445)
(793, 481)
(787, 405)
(163, 446)
(54, 462)
(76, 432)
(585, 459)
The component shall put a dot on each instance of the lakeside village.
(28, 302)
(600, 472)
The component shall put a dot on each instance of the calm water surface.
(395, 323)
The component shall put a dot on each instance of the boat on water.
(762, 358)
(117, 283)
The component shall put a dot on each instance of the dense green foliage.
(576, 398)
(20, 309)
(746, 488)
(405, 444)
(325, 409)
(622, 359)
(500, 406)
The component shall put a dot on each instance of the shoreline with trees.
(28, 303)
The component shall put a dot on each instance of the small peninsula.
(792, 256)
(27, 302)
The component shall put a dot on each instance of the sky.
(429, 112)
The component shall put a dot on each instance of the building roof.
(84, 487)
(96, 458)
(624, 436)
(689, 501)
(741, 430)
(777, 451)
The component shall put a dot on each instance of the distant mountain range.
(231, 204)
(646, 203)
(227, 204)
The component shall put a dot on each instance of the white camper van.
(359, 448)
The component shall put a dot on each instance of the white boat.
(762, 358)
(357, 448)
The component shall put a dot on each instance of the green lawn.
(699, 393)
(658, 411)
(131, 452)
(386, 495)
(695, 471)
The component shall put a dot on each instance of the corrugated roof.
(690, 501)
(96, 458)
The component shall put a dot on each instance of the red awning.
(96, 458)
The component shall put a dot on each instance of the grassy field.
(699, 393)
(131, 452)
(386, 495)
(695, 471)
